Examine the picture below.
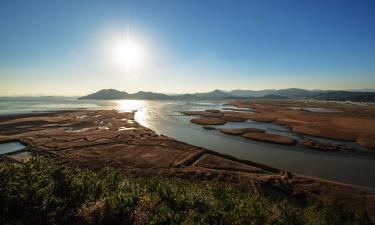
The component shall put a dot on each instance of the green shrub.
(39, 192)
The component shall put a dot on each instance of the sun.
(127, 53)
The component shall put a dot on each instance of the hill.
(214, 94)
(289, 93)
(346, 96)
(107, 94)
(296, 93)
(40, 192)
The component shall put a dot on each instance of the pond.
(11, 146)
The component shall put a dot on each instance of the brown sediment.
(213, 110)
(250, 133)
(326, 132)
(368, 142)
(194, 113)
(211, 114)
(274, 138)
(208, 121)
(141, 151)
(215, 162)
(233, 119)
(239, 131)
(233, 131)
(346, 122)
(325, 146)
(253, 130)
(203, 113)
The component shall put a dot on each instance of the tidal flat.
(134, 149)
(338, 122)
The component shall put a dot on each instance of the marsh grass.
(40, 192)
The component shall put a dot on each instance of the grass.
(39, 192)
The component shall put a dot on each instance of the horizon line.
(59, 95)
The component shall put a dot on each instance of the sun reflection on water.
(129, 105)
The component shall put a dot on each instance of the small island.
(343, 123)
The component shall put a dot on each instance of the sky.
(67, 47)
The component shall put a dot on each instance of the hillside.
(107, 94)
(346, 96)
(39, 192)
(290, 93)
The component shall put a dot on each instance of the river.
(165, 117)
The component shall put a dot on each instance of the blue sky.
(61, 47)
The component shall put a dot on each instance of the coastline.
(81, 138)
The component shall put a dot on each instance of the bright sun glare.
(127, 53)
(129, 105)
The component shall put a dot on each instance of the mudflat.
(337, 121)
(349, 122)
(95, 139)
(269, 138)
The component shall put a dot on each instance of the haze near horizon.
(76, 48)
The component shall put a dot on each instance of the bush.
(39, 192)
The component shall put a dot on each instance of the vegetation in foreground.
(39, 192)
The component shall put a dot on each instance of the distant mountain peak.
(293, 93)
(105, 94)
(217, 91)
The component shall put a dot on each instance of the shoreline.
(92, 139)
(7, 117)
(295, 158)
(4, 117)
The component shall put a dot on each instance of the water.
(353, 168)
(12, 146)
(21, 105)
(308, 109)
(165, 117)
(286, 131)
(268, 127)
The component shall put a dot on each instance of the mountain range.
(289, 93)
